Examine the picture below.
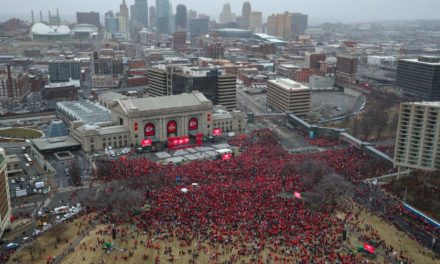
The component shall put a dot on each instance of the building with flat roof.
(64, 70)
(88, 18)
(5, 198)
(285, 95)
(419, 77)
(13, 166)
(214, 83)
(346, 69)
(83, 111)
(417, 136)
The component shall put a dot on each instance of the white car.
(22, 179)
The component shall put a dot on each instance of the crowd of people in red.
(239, 202)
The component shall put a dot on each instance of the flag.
(297, 195)
(369, 248)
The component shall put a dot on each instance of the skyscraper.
(256, 22)
(163, 16)
(111, 22)
(299, 24)
(245, 15)
(192, 14)
(181, 18)
(153, 18)
(226, 16)
(287, 25)
(123, 10)
(139, 12)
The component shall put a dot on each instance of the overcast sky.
(318, 10)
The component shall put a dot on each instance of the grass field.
(399, 240)
(20, 133)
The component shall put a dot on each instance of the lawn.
(20, 133)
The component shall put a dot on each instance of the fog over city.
(319, 10)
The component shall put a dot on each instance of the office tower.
(215, 51)
(123, 11)
(246, 15)
(417, 136)
(216, 85)
(299, 24)
(153, 18)
(88, 18)
(181, 18)
(111, 22)
(256, 22)
(226, 16)
(198, 26)
(5, 198)
(63, 71)
(287, 25)
(419, 77)
(139, 12)
(346, 69)
(192, 14)
(285, 95)
(163, 16)
(312, 60)
(179, 39)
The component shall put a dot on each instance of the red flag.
(369, 248)
(297, 195)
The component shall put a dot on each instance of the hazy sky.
(318, 10)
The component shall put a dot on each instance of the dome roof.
(44, 29)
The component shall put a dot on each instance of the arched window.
(172, 128)
(193, 124)
(150, 130)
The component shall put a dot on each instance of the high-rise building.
(153, 18)
(346, 69)
(419, 77)
(287, 25)
(299, 24)
(198, 26)
(5, 198)
(256, 22)
(88, 18)
(245, 15)
(216, 85)
(215, 51)
(286, 95)
(192, 14)
(181, 18)
(111, 22)
(312, 60)
(107, 66)
(226, 16)
(179, 39)
(63, 71)
(123, 11)
(163, 16)
(139, 12)
(417, 136)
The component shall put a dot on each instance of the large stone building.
(129, 121)
(420, 77)
(88, 18)
(285, 95)
(418, 135)
(287, 25)
(5, 198)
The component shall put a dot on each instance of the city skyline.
(318, 10)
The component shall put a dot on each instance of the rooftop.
(433, 104)
(288, 84)
(43, 144)
(163, 102)
(43, 29)
(429, 60)
(85, 111)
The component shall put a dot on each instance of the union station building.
(128, 122)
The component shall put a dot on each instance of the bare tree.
(312, 172)
(33, 249)
(57, 231)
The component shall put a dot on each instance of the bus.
(28, 159)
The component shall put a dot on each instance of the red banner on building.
(172, 128)
(369, 248)
(150, 130)
(193, 124)
(217, 131)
